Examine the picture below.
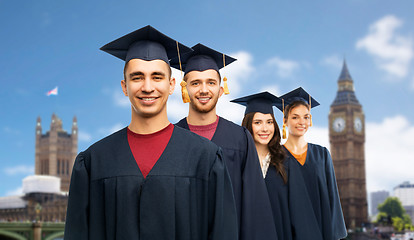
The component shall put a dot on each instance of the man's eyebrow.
(158, 73)
(135, 74)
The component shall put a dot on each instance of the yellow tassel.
(310, 106)
(226, 88)
(184, 92)
(284, 131)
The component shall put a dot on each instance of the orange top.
(301, 158)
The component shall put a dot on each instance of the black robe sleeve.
(222, 211)
(338, 223)
(76, 226)
(257, 219)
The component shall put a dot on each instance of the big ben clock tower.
(347, 138)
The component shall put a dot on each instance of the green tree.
(398, 224)
(392, 207)
(392, 212)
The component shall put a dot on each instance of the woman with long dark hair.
(314, 204)
(260, 121)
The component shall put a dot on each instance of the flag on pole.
(54, 91)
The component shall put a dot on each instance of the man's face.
(204, 90)
(148, 85)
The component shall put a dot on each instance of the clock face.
(358, 124)
(338, 124)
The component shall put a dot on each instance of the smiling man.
(150, 180)
(202, 78)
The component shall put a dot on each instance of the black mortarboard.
(200, 59)
(299, 94)
(260, 102)
(146, 43)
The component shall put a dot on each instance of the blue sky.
(280, 45)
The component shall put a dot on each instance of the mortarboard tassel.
(284, 124)
(225, 86)
(184, 92)
(183, 84)
(310, 106)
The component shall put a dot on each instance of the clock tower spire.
(347, 139)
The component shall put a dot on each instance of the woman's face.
(263, 128)
(298, 121)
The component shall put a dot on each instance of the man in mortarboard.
(201, 88)
(150, 180)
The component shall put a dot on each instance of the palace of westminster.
(45, 194)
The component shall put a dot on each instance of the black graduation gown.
(314, 203)
(252, 201)
(186, 195)
(279, 200)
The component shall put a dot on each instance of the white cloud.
(239, 72)
(230, 111)
(19, 169)
(176, 109)
(16, 192)
(84, 136)
(273, 89)
(389, 153)
(392, 51)
(333, 60)
(284, 68)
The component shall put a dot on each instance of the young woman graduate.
(314, 204)
(260, 121)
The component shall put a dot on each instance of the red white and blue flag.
(54, 91)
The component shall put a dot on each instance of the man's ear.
(124, 87)
(172, 85)
(221, 91)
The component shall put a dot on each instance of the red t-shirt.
(147, 148)
(206, 131)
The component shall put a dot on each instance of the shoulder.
(233, 129)
(231, 125)
(200, 150)
(190, 140)
(319, 151)
(182, 123)
(112, 140)
(316, 147)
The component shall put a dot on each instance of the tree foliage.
(392, 207)
(391, 212)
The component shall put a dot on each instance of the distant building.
(376, 199)
(45, 195)
(405, 192)
(41, 199)
(56, 150)
(347, 140)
